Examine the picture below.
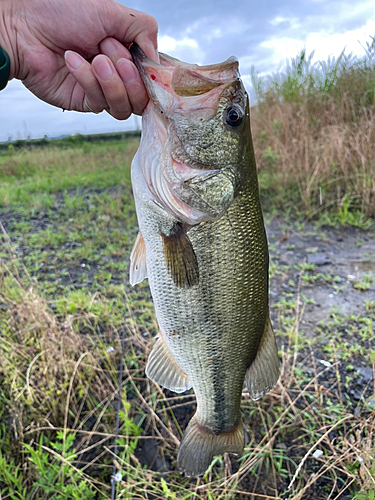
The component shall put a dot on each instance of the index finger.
(129, 25)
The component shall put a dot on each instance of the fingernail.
(72, 59)
(103, 68)
(127, 70)
(108, 46)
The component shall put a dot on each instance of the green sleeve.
(4, 68)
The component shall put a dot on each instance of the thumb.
(129, 25)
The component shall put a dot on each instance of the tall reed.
(314, 130)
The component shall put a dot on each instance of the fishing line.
(115, 475)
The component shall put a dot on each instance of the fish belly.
(213, 329)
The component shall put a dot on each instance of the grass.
(313, 128)
(65, 300)
(29, 177)
(58, 388)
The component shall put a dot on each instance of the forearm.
(8, 39)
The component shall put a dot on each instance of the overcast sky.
(260, 33)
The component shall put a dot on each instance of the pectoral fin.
(180, 257)
(138, 269)
(163, 369)
(263, 372)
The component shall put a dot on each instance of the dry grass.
(314, 132)
(54, 379)
(319, 155)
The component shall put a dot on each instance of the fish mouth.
(192, 190)
(171, 81)
(180, 78)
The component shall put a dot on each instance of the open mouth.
(173, 78)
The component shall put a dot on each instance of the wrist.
(7, 37)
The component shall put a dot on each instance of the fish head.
(200, 116)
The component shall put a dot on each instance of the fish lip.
(136, 51)
(139, 57)
(137, 54)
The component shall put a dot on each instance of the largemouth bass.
(203, 247)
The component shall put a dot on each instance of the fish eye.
(233, 116)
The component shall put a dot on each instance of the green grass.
(30, 177)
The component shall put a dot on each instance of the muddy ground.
(345, 257)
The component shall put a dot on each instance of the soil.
(347, 255)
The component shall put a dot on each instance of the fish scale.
(207, 268)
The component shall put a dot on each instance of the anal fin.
(263, 372)
(138, 269)
(163, 369)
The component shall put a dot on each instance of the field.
(68, 314)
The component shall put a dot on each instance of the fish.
(202, 245)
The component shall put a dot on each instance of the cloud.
(285, 22)
(327, 30)
(353, 41)
(169, 44)
(324, 44)
(186, 48)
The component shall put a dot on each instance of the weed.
(321, 148)
(56, 475)
(365, 284)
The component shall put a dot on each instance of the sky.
(262, 34)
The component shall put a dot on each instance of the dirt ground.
(344, 257)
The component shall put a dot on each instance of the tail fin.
(199, 446)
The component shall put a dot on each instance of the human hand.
(50, 44)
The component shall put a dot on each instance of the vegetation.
(68, 225)
(314, 133)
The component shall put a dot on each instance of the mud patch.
(338, 269)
